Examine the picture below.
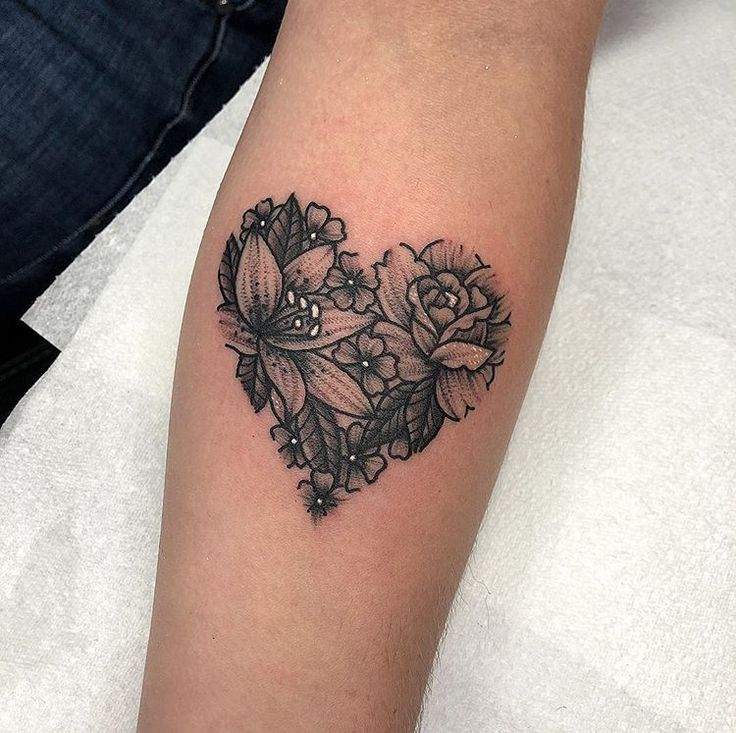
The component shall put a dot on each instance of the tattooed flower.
(351, 287)
(290, 446)
(258, 217)
(359, 365)
(450, 323)
(367, 361)
(322, 227)
(280, 318)
(362, 464)
(320, 494)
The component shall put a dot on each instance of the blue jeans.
(95, 98)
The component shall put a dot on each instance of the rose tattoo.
(359, 363)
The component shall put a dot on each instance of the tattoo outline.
(358, 363)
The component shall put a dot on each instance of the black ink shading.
(357, 363)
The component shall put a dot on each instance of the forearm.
(411, 125)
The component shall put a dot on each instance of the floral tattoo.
(358, 363)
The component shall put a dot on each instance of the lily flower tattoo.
(359, 364)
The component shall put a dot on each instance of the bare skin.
(412, 124)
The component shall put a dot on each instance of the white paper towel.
(602, 593)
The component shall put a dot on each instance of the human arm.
(411, 124)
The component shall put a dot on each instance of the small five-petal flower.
(320, 493)
(259, 217)
(363, 464)
(290, 446)
(351, 286)
(322, 227)
(366, 360)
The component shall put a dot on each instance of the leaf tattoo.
(358, 364)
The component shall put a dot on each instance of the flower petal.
(363, 298)
(250, 219)
(463, 300)
(355, 481)
(346, 353)
(385, 366)
(448, 281)
(335, 325)
(446, 256)
(369, 346)
(281, 435)
(399, 448)
(372, 382)
(457, 391)
(236, 331)
(333, 230)
(353, 435)
(497, 334)
(336, 278)
(307, 272)
(298, 457)
(477, 299)
(421, 318)
(441, 316)
(264, 208)
(412, 364)
(285, 376)
(258, 279)
(316, 216)
(322, 482)
(343, 298)
(483, 278)
(465, 323)
(372, 466)
(332, 385)
(399, 268)
(425, 340)
(456, 354)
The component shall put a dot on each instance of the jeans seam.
(196, 78)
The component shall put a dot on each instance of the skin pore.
(410, 123)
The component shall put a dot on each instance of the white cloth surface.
(601, 596)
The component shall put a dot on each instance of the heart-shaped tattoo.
(358, 363)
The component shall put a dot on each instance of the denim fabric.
(95, 98)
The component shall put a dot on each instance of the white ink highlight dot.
(353, 458)
(297, 323)
(315, 310)
(303, 302)
(293, 441)
(364, 363)
(290, 297)
(313, 236)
